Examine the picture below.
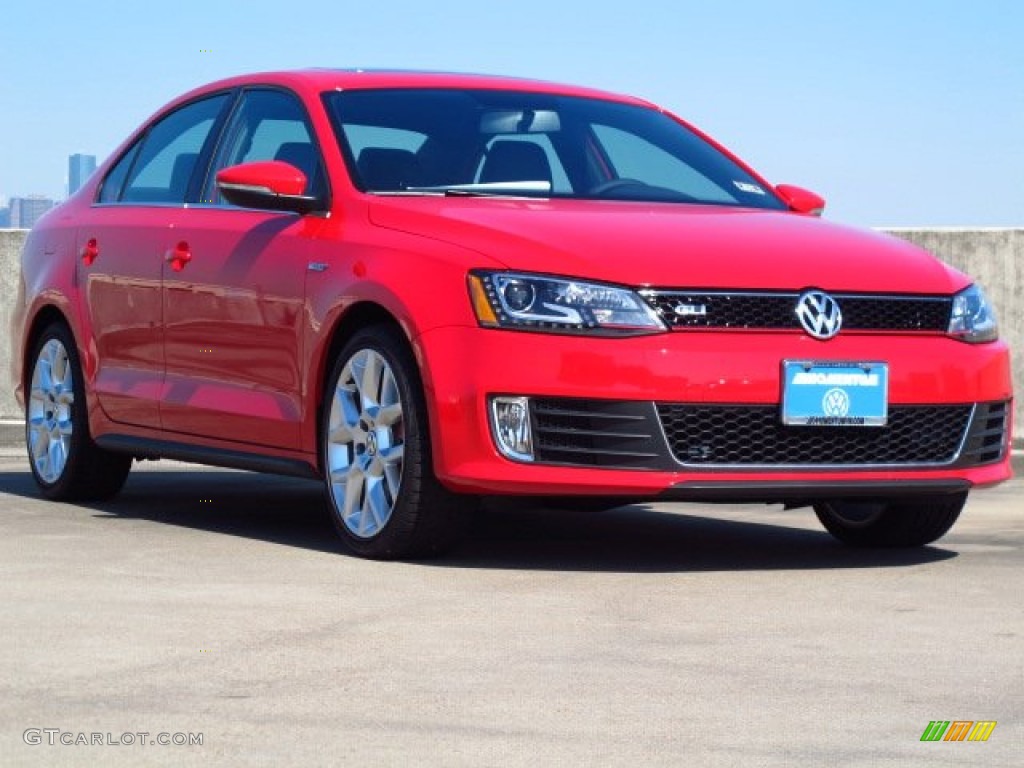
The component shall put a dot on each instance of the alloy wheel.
(49, 424)
(366, 443)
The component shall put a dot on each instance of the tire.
(382, 494)
(65, 462)
(910, 522)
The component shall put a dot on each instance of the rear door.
(127, 232)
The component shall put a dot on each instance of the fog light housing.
(510, 424)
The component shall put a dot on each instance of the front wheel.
(66, 463)
(375, 447)
(894, 523)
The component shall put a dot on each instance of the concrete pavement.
(214, 602)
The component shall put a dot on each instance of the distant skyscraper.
(5, 217)
(26, 211)
(80, 168)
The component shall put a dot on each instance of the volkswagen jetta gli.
(427, 288)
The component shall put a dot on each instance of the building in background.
(80, 168)
(26, 211)
(5, 217)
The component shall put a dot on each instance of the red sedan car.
(427, 288)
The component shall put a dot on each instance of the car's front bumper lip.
(463, 366)
(807, 491)
(496, 476)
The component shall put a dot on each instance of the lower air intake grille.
(597, 433)
(986, 441)
(704, 435)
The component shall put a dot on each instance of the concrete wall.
(995, 257)
(11, 241)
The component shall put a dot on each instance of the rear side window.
(112, 185)
(268, 125)
(169, 153)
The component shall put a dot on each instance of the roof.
(324, 79)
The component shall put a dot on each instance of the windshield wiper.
(488, 189)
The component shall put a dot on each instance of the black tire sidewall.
(910, 522)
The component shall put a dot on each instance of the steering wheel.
(640, 190)
(610, 186)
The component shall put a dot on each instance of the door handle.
(179, 256)
(90, 251)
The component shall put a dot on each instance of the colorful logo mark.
(958, 730)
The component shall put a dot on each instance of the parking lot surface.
(215, 602)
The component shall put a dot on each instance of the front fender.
(404, 276)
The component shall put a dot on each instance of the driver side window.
(268, 125)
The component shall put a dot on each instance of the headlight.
(558, 305)
(973, 318)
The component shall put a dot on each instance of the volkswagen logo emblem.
(836, 403)
(819, 314)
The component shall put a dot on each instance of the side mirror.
(270, 185)
(801, 200)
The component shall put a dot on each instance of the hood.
(671, 245)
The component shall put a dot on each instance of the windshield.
(481, 142)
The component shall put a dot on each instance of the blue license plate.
(831, 394)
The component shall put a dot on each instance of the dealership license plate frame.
(804, 403)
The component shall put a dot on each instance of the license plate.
(831, 394)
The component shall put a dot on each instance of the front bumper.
(463, 366)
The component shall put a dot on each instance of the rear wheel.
(66, 463)
(375, 446)
(894, 523)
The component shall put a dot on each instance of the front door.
(233, 291)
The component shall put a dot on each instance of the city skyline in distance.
(23, 210)
(80, 167)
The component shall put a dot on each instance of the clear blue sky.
(900, 113)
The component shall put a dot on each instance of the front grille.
(597, 433)
(706, 435)
(775, 311)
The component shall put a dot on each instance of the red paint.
(801, 200)
(280, 178)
